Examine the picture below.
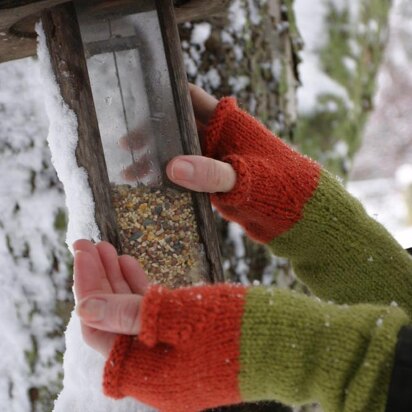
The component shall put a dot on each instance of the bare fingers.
(201, 174)
(98, 340)
(204, 104)
(111, 313)
(109, 258)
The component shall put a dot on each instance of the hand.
(197, 173)
(108, 291)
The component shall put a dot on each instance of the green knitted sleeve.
(297, 350)
(212, 345)
(344, 255)
(289, 202)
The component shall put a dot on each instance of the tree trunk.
(35, 292)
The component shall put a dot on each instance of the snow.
(62, 140)
(82, 382)
(30, 200)
(310, 18)
(387, 139)
(83, 367)
(384, 200)
(235, 236)
(201, 32)
(237, 16)
(239, 83)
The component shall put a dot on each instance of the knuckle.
(214, 176)
(127, 316)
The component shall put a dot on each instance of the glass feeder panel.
(140, 134)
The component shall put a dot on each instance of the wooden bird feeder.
(120, 69)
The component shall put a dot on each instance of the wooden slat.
(188, 131)
(17, 35)
(69, 65)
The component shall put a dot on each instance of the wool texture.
(190, 337)
(273, 181)
(209, 346)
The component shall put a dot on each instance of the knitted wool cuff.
(273, 181)
(209, 346)
(186, 357)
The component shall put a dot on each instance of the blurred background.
(331, 77)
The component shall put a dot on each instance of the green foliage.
(60, 220)
(351, 56)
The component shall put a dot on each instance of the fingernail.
(182, 170)
(93, 309)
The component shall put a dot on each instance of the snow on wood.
(62, 140)
(83, 367)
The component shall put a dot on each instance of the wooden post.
(69, 65)
(188, 132)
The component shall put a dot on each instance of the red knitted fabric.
(273, 181)
(196, 351)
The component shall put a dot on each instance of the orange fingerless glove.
(186, 357)
(273, 181)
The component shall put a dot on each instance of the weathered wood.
(188, 131)
(69, 66)
(17, 42)
(17, 19)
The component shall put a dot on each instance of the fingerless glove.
(209, 346)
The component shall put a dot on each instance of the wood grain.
(188, 132)
(17, 19)
(69, 66)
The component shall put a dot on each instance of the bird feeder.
(138, 85)
(120, 69)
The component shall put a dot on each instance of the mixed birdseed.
(158, 227)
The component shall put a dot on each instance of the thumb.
(201, 174)
(111, 313)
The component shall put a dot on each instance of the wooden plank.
(17, 19)
(17, 35)
(188, 131)
(69, 66)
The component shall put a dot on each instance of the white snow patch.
(403, 175)
(201, 32)
(350, 64)
(62, 140)
(237, 16)
(239, 83)
(311, 20)
(235, 235)
(384, 201)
